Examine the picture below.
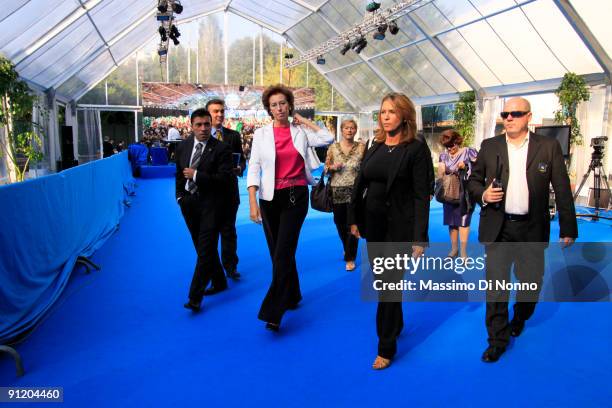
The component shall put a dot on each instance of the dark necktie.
(195, 162)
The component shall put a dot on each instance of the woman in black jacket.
(390, 203)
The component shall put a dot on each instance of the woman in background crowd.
(280, 168)
(457, 160)
(342, 162)
(395, 180)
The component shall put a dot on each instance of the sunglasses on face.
(514, 114)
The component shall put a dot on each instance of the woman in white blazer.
(280, 168)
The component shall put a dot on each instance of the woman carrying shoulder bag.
(342, 163)
(280, 169)
(457, 161)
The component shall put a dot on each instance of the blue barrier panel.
(159, 156)
(45, 224)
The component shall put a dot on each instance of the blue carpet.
(120, 337)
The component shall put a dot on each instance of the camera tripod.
(596, 167)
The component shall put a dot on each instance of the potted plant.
(20, 142)
(572, 90)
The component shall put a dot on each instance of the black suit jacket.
(407, 193)
(214, 171)
(545, 166)
(232, 138)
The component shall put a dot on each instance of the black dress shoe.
(492, 354)
(193, 306)
(233, 274)
(516, 327)
(273, 327)
(213, 291)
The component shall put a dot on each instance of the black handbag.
(321, 196)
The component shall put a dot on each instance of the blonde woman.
(342, 163)
(395, 172)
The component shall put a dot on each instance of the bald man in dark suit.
(515, 219)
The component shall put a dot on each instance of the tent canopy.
(444, 46)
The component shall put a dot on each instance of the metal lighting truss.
(370, 22)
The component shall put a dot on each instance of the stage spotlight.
(162, 34)
(362, 44)
(345, 47)
(177, 7)
(380, 32)
(393, 28)
(355, 42)
(372, 6)
(162, 6)
(174, 34)
(320, 60)
(288, 55)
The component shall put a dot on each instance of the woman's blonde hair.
(407, 113)
(348, 120)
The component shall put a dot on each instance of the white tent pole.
(225, 43)
(261, 66)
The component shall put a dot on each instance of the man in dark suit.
(229, 239)
(515, 219)
(203, 173)
(107, 148)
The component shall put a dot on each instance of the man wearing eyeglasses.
(510, 180)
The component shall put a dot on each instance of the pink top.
(289, 163)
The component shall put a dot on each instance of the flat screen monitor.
(561, 133)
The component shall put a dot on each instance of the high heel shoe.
(275, 327)
(453, 253)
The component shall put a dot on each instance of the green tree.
(121, 88)
(210, 51)
(465, 116)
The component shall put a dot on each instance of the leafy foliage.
(465, 116)
(21, 143)
(572, 90)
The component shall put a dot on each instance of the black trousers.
(202, 222)
(229, 243)
(282, 221)
(510, 249)
(349, 242)
(229, 239)
(389, 313)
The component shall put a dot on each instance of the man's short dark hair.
(215, 101)
(200, 113)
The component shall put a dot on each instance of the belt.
(289, 181)
(516, 217)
